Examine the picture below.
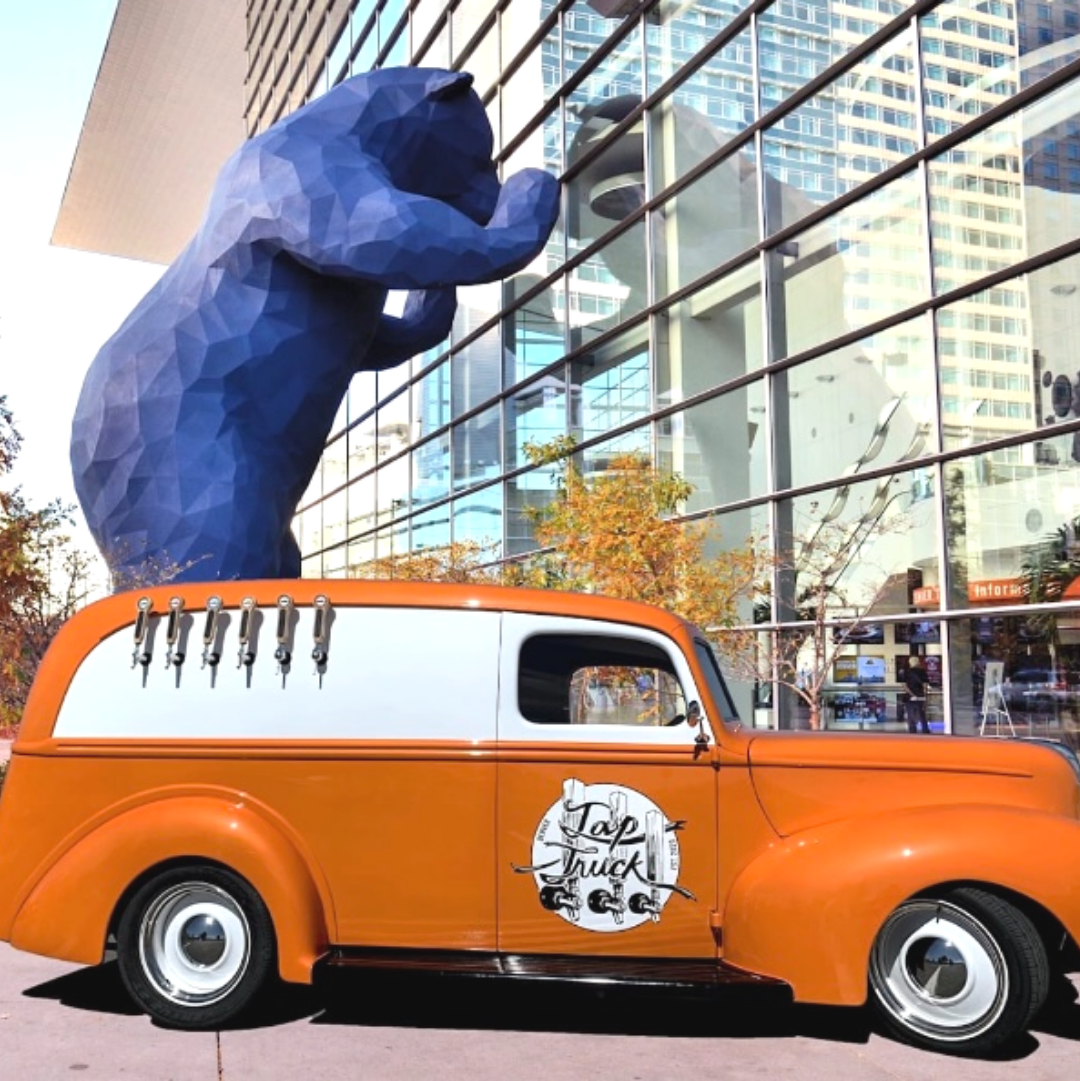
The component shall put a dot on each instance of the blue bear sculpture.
(203, 418)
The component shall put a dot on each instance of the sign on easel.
(993, 703)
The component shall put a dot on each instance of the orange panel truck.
(237, 782)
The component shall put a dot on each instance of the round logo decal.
(605, 858)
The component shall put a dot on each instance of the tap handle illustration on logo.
(605, 858)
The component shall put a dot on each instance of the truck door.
(607, 811)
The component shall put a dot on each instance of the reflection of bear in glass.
(202, 420)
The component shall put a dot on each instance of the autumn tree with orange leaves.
(41, 581)
(619, 534)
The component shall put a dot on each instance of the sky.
(57, 306)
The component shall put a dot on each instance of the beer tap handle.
(213, 611)
(172, 634)
(245, 658)
(320, 653)
(142, 624)
(283, 654)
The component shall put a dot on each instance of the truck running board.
(620, 971)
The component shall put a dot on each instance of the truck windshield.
(717, 687)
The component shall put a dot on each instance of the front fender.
(67, 909)
(808, 909)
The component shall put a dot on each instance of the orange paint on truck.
(229, 779)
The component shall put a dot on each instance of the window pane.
(611, 385)
(860, 125)
(797, 41)
(860, 265)
(993, 202)
(477, 517)
(701, 115)
(706, 224)
(476, 372)
(709, 338)
(431, 470)
(616, 79)
(710, 445)
(612, 185)
(535, 414)
(868, 405)
(431, 400)
(477, 448)
(592, 679)
(1008, 358)
(1019, 676)
(533, 335)
(1008, 509)
(862, 547)
(609, 287)
(677, 32)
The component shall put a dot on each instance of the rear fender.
(807, 911)
(67, 911)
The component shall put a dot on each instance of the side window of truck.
(598, 680)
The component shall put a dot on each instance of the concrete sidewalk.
(56, 1020)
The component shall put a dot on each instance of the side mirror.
(693, 714)
(695, 718)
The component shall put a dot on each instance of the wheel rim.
(194, 944)
(939, 972)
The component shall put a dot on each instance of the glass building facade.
(821, 257)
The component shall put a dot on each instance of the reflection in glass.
(610, 386)
(477, 517)
(533, 335)
(710, 337)
(1004, 194)
(477, 448)
(362, 505)
(431, 470)
(1002, 508)
(536, 488)
(712, 445)
(858, 126)
(609, 287)
(618, 78)
(699, 117)
(798, 41)
(862, 407)
(706, 224)
(431, 529)
(360, 552)
(678, 30)
(611, 185)
(1017, 675)
(852, 269)
(535, 82)
(535, 413)
(431, 401)
(597, 459)
(1008, 358)
(476, 372)
(859, 550)
(335, 519)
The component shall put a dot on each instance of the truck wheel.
(195, 946)
(962, 973)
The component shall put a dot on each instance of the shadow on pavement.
(98, 989)
(422, 1001)
(454, 1002)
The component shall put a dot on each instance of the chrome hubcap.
(194, 944)
(202, 940)
(938, 971)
